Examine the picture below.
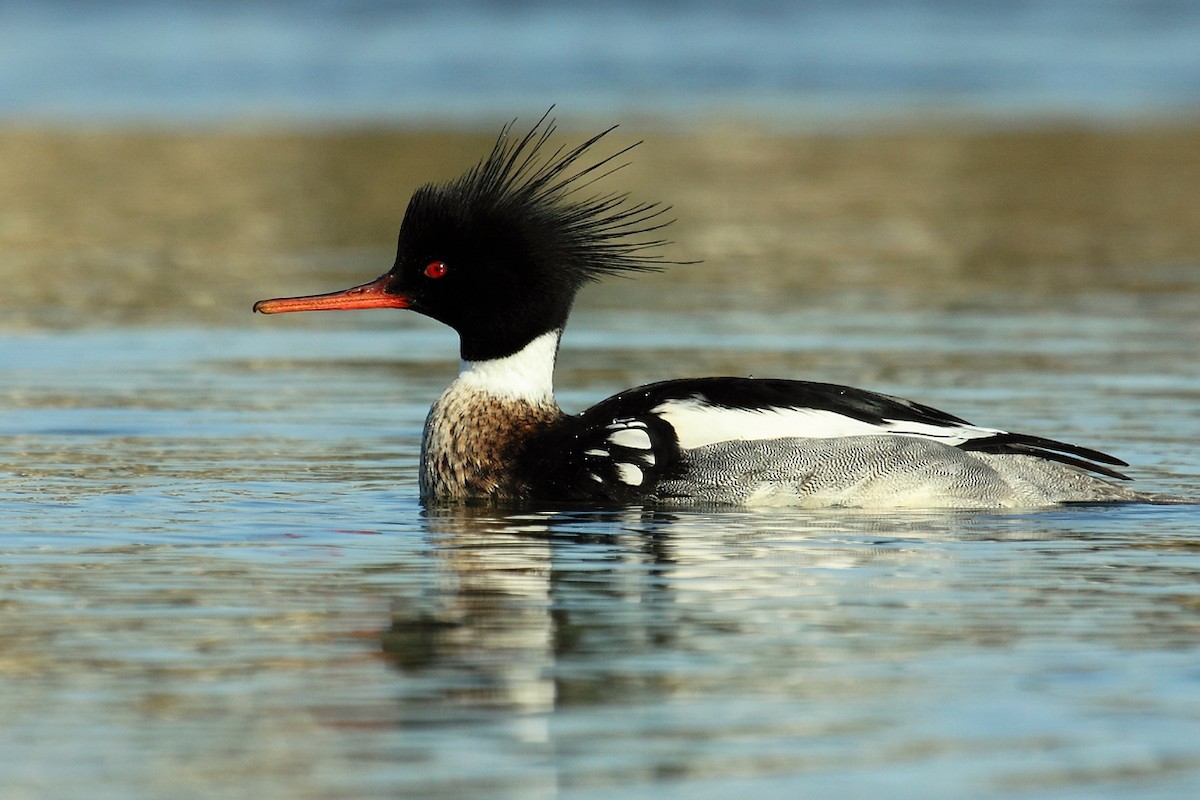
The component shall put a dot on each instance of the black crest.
(529, 194)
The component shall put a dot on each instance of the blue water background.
(188, 61)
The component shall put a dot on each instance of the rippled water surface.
(216, 580)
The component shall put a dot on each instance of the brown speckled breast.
(471, 443)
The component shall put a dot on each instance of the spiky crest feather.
(535, 192)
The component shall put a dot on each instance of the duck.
(499, 255)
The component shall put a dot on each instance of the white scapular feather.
(697, 424)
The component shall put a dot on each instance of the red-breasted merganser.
(499, 255)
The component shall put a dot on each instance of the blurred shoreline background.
(153, 227)
(172, 161)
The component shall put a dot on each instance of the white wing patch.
(627, 449)
(630, 474)
(634, 436)
(697, 424)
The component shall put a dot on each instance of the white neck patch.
(526, 375)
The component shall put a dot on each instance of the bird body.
(500, 254)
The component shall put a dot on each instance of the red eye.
(435, 269)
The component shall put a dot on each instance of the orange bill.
(369, 295)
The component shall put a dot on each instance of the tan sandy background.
(190, 228)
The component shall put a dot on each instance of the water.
(188, 61)
(216, 579)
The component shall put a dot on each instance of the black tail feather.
(1051, 450)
